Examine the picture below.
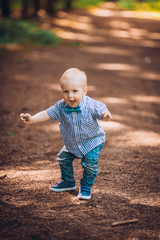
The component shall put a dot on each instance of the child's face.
(73, 91)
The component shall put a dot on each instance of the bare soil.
(119, 52)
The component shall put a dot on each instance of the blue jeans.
(89, 163)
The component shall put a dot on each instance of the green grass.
(26, 32)
(148, 5)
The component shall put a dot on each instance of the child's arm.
(39, 117)
(106, 115)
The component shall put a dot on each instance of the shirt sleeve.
(54, 111)
(98, 108)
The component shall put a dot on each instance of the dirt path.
(120, 55)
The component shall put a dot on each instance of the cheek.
(64, 96)
(80, 96)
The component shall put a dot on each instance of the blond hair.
(74, 72)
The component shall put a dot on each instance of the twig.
(124, 222)
(49, 229)
(3, 176)
(20, 190)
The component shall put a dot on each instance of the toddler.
(82, 135)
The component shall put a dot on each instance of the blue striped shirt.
(80, 131)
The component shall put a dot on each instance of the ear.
(61, 89)
(85, 90)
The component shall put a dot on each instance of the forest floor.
(119, 51)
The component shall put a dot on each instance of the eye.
(75, 91)
(66, 91)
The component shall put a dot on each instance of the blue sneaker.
(84, 192)
(63, 186)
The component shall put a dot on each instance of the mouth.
(72, 102)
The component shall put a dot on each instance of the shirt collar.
(82, 103)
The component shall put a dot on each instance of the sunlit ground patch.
(30, 175)
(68, 35)
(138, 138)
(116, 67)
(53, 127)
(152, 200)
(107, 11)
(147, 99)
(114, 100)
(106, 50)
(113, 126)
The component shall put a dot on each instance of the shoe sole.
(62, 189)
(80, 196)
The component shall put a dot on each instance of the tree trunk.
(50, 7)
(36, 6)
(68, 5)
(5, 8)
(25, 4)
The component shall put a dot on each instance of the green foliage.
(9, 133)
(75, 44)
(26, 32)
(15, 4)
(86, 3)
(148, 5)
(20, 60)
(128, 4)
(152, 5)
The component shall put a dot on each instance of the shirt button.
(79, 146)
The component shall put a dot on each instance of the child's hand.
(106, 115)
(26, 118)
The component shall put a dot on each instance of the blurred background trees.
(52, 6)
(5, 5)
(18, 24)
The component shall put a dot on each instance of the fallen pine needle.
(124, 222)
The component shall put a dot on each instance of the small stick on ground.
(124, 222)
(49, 229)
(3, 176)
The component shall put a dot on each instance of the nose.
(70, 94)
